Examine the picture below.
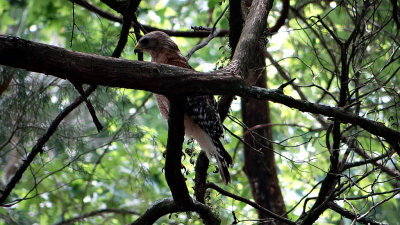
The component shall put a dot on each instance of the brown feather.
(201, 119)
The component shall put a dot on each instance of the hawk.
(201, 119)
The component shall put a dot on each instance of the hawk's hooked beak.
(137, 49)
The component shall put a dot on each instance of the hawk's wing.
(202, 109)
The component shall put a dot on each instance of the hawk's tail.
(223, 160)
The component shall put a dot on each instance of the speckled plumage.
(202, 121)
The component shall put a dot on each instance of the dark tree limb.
(176, 132)
(224, 104)
(6, 78)
(128, 15)
(168, 205)
(202, 163)
(96, 213)
(165, 79)
(395, 13)
(100, 70)
(200, 178)
(253, 34)
(156, 211)
(89, 105)
(281, 20)
(259, 166)
(94, 8)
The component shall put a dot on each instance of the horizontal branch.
(96, 213)
(373, 127)
(160, 78)
(350, 215)
(185, 33)
(112, 72)
(177, 33)
(166, 206)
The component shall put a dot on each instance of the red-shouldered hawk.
(202, 121)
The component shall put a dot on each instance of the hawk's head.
(156, 42)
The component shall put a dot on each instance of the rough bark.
(168, 205)
(164, 79)
(260, 167)
(173, 175)
(101, 70)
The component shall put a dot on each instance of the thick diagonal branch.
(164, 79)
(173, 175)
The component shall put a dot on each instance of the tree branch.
(350, 215)
(164, 79)
(395, 13)
(107, 15)
(252, 36)
(93, 8)
(173, 175)
(128, 15)
(286, 76)
(167, 206)
(96, 213)
(200, 179)
(284, 15)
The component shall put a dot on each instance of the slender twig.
(106, 150)
(96, 213)
(73, 23)
(89, 105)
(214, 33)
(331, 32)
(377, 204)
(251, 203)
(302, 198)
(350, 215)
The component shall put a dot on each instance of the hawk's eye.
(144, 41)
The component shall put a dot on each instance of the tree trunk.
(260, 166)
